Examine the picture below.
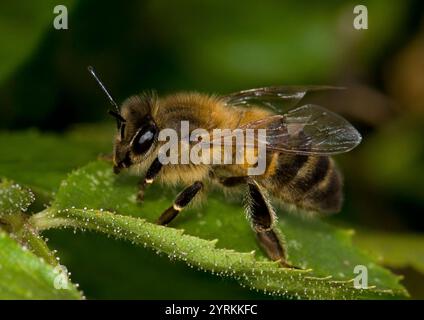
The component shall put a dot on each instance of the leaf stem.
(38, 246)
(47, 219)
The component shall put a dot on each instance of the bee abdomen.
(287, 168)
(314, 171)
(326, 194)
(308, 182)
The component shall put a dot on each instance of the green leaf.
(89, 196)
(129, 272)
(396, 250)
(14, 198)
(25, 276)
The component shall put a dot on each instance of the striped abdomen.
(308, 182)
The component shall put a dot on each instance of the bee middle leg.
(262, 217)
(182, 200)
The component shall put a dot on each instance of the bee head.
(137, 131)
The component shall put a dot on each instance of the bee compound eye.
(144, 139)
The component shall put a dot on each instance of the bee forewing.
(280, 99)
(311, 129)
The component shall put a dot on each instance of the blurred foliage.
(22, 26)
(390, 248)
(212, 46)
(402, 252)
(20, 152)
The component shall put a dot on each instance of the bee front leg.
(182, 200)
(262, 218)
(150, 176)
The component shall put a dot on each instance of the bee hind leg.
(262, 217)
(182, 200)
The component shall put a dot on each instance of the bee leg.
(262, 217)
(150, 176)
(182, 200)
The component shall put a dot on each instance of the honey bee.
(299, 143)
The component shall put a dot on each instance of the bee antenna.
(116, 112)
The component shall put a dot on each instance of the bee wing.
(278, 98)
(309, 129)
